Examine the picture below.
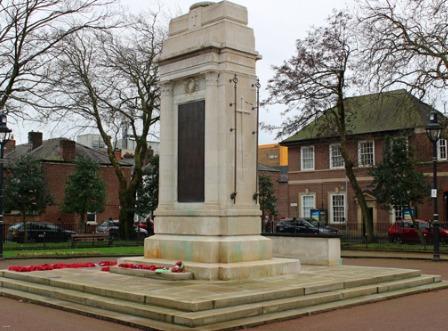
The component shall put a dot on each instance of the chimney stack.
(10, 145)
(117, 153)
(34, 139)
(68, 150)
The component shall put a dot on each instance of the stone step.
(201, 318)
(141, 322)
(203, 304)
(43, 279)
(98, 301)
(302, 312)
(95, 312)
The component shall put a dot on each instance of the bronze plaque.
(190, 151)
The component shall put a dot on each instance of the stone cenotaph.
(208, 214)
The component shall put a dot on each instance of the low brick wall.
(314, 250)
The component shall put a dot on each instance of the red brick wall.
(56, 175)
(323, 180)
(280, 191)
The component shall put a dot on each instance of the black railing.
(60, 237)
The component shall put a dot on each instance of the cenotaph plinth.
(208, 214)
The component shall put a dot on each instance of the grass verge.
(74, 252)
(393, 247)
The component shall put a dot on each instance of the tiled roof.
(387, 111)
(51, 150)
(263, 167)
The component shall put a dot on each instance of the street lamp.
(433, 131)
(4, 136)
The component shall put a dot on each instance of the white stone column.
(212, 141)
(167, 156)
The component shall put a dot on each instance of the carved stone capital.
(166, 89)
(212, 78)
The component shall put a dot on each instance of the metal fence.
(42, 235)
(353, 236)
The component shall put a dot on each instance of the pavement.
(417, 312)
(424, 311)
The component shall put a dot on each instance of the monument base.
(229, 271)
(208, 249)
(217, 257)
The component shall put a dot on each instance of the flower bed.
(174, 272)
(53, 266)
(178, 267)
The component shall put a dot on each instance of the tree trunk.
(82, 223)
(340, 118)
(367, 219)
(25, 232)
(127, 210)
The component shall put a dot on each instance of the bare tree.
(313, 84)
(109, 79)
(406, 42)
(29, 32)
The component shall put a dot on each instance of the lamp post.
(4, 136)
(433, 131)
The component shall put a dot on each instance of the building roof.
(51, 150)
(263, 167)
(380, 112)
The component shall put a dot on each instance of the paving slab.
(197, 295)
(199, 304)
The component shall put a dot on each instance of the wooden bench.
(91, 237)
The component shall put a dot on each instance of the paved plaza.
(213, 305)
(398, 314)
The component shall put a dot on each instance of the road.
(417, 312)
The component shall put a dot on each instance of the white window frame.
(301, 204)
(394, 212)
(91, 213)
(331, 157)
(301, 158)
(273, 156)
(332, 211)
(439, 148)
(359, 153)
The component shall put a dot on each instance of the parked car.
(148, 226)
(323, 227)
(304, 225)
(406, 231)
(112, 227)
(296, 226)
(38, 232)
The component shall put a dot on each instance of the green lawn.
(393, 247)
(10, 245)
(74, 252)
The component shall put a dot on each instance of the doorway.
(370, 213)
(372, 210)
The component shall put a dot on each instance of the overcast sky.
(277, 24)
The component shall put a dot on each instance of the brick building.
(279, 183)
(273, 155)
(316, 175)
(273, 163)
(57, 160)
